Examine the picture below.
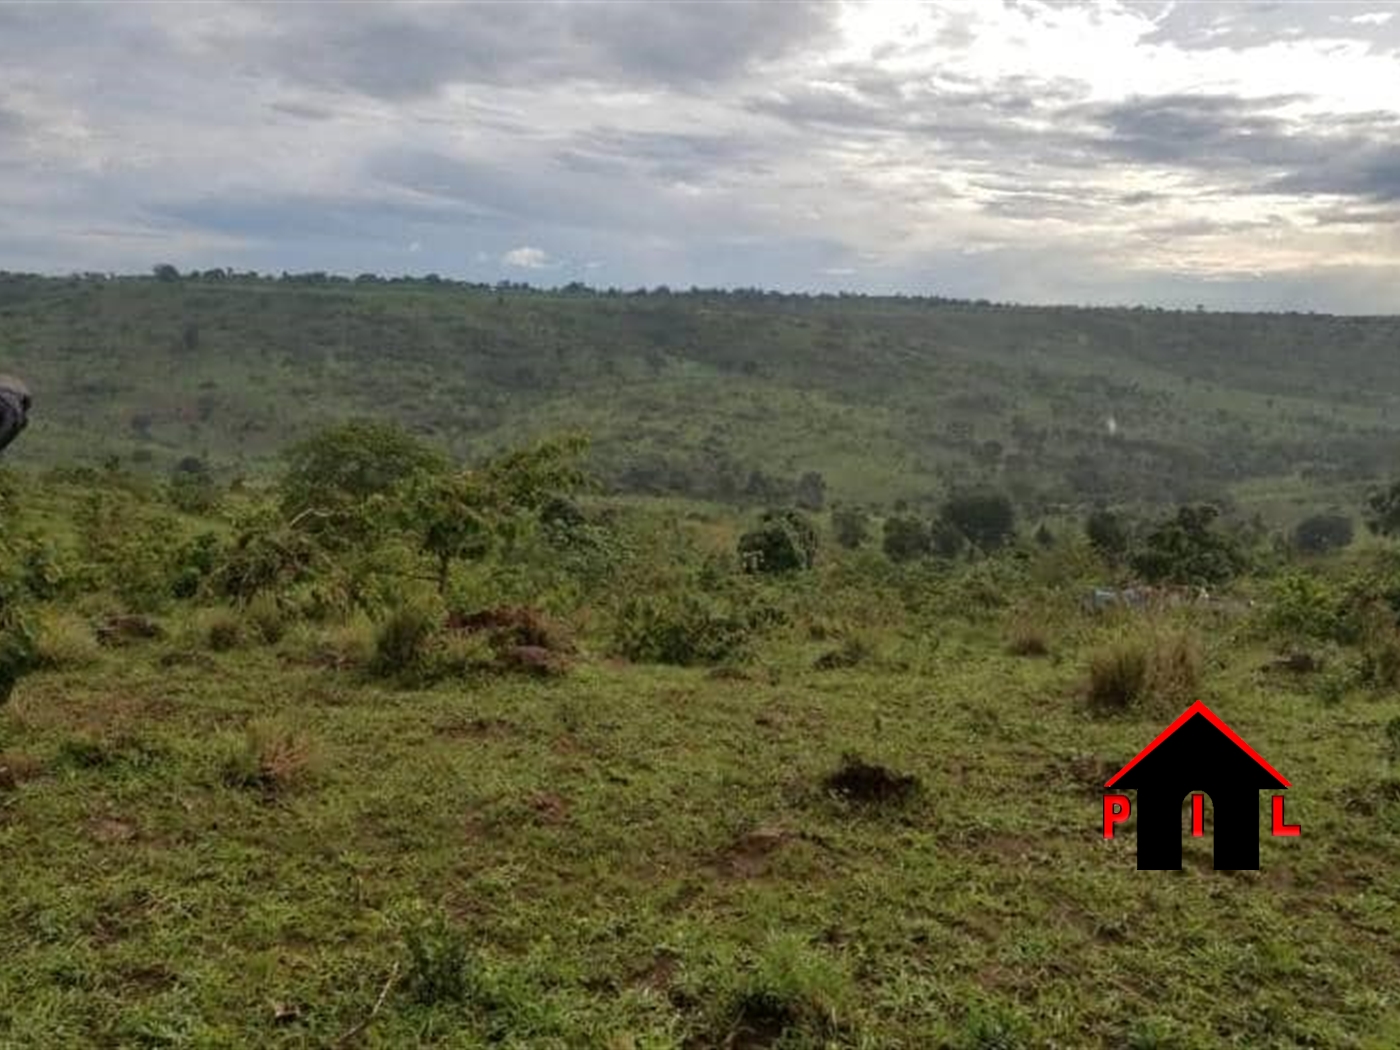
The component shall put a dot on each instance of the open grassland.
(245, 845)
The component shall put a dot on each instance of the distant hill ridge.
(722, 395)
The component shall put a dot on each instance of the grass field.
(646, 856)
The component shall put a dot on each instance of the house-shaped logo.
(1196, 753)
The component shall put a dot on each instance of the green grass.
(644, 856)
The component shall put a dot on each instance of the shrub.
(1118, 676)
(439, 960)
(987, 519)
(906, 538)
(1322, 533)
(17, 654)
(785, 541)
(1380, 659)
(273, 759)
(686, 629)
(401, 641)
(850, 526)
(1187, 549)
(1306, 606)
(64, 640)
(1107, 533)
(223, 630)
(1027, 637)
(1134, 670)
(267, 618)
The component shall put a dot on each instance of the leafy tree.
(1321, 533)
(851, 526)
(191, 486)
(165, 272)
(1107, 533)
(987, 519)
(1187, 549)
(811, 491)
(1383, 510)
(332, 476)
(946, 540)
(785, 541)
(463, 516)
(906, 538)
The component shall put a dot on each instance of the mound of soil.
(533, 659)
(514, 626)
(870, 784)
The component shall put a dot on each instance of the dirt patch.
(549, 808)
(868, 783)
(660, 975)
(749, 856)
(17, 767)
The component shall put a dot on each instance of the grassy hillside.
(720, 395)
(275, 824)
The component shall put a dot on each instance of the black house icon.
(1198, 753)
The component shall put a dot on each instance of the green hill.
(718, 395)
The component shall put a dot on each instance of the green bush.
(785, 541)
(1188, 549)
(686, 629)
(906, 538)
(1306, 606)
(19, 653)
(267, 618)
(402, 640)
(439, 966)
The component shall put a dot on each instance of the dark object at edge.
(14, 409)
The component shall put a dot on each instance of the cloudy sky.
(1237, 155)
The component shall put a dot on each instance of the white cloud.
(527, 258)
(1374, 18)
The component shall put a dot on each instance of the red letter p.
(1115, 811)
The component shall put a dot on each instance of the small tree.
(1383, 510)
(851, 526)
(785, 541)
(192, 488)
(906, 538)
(1321, 533)
(332, 476)
(1187, 549)
(1107, 533)
(463, 516)
(987, 519)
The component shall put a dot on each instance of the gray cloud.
(405, 51)
(746, 143)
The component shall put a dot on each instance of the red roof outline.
(1199, 708)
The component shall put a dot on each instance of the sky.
(1235, 155)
